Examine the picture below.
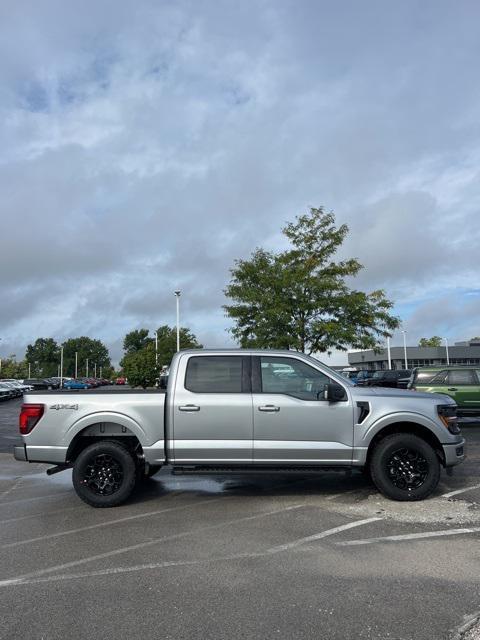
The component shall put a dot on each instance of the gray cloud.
(145, 145)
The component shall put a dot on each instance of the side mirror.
(334, 392)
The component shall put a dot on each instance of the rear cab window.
(217, 374)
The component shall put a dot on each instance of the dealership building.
(461, 353)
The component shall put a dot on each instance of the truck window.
(214, 374)
(292, 377)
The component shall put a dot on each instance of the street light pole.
(389, 356)
(61, 367)
(405, 347)
(76, 365)
(86, 369)
(177, 295)
(446, 348)
(29, 370)
(95, 370)
(156, 348)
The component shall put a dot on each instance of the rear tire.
(104, 474)
(404, 467)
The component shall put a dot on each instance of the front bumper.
(454, 453)
(20, 453)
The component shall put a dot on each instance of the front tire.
(104, 474)
(404, 467)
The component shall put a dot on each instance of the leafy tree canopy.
(10, 368)
(139, 367)
(434, 341)
(167, 342)
(44, 357)
(86, 348)
(136, 340)
(299, 298)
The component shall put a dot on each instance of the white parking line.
(411, 536)
(37, 577)
(455, 493)
(322, 534)
(141, 545)
(68, 532)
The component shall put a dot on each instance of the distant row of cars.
(462, 383)
(10, 388)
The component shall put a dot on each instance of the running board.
(254, 470)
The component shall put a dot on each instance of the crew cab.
(242, 411)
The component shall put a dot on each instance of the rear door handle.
(452, 389)
(189, 407)
(269, 407)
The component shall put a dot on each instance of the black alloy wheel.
(405, 467)
(104, 474)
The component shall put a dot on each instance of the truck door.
(212, 410)
(292, 422)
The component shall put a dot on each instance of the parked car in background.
(6, 393)
(460, 383)
(363, 376)
(16, 390)
(75, 384)
(19, 384)
(121, 381)
(38, 384)
(393, 378)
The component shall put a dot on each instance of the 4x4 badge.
(64, 406)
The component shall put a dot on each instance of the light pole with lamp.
(405, 347)
(177, 295)
(446, 349)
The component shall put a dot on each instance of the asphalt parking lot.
(237, 557)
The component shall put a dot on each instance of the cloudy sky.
(146, 144)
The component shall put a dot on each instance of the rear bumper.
(19, 453)
(454, 453)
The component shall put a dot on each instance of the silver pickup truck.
(242, 411)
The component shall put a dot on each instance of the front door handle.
(188, 407)
(269, 407)
(453, 389)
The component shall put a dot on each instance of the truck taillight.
(30, 414)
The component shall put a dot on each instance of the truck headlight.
(448, 415)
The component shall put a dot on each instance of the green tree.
(434, 341)
(10, 368)
(136, 340)
(167, 342)
(299, 298)
(86, 348)
(44, 357)
(139, 367)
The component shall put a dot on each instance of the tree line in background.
(141, 363)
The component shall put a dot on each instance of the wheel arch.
(411, 427)
(104, 427)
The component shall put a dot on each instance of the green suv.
(460, 383)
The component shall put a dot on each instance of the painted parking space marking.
(39, 577)
(410, 536)
(458, 491)
(141, 545)
(68, 532)
(321, 535)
